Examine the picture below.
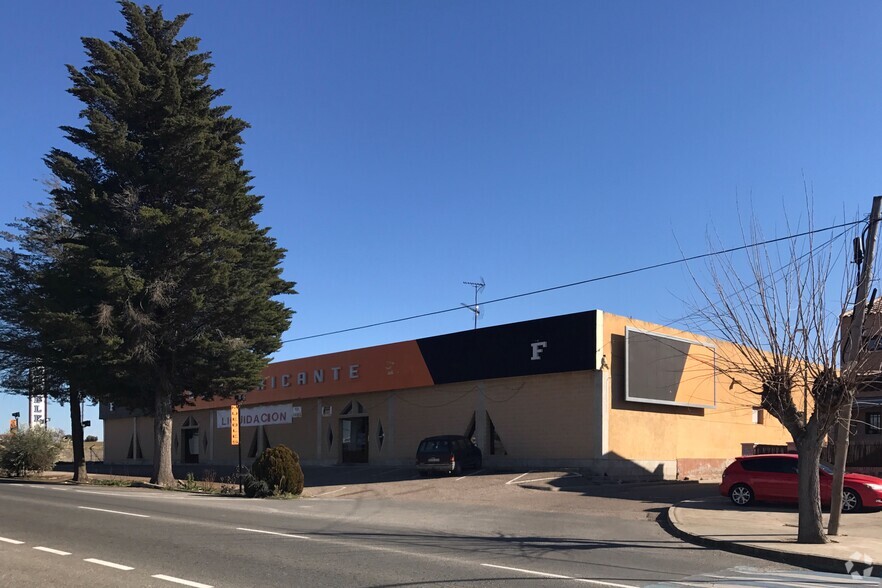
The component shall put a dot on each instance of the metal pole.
(853, 346)
(240, 467)
(239, 399)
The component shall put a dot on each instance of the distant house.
(865, 448)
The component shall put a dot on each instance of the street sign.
(234, 425)
(37, 414)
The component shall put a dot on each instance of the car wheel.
(851, 502)
(741, 494)
(478, 464)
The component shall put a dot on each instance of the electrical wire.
(578, 283)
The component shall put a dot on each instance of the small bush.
(255, 488)
(31, 450)
(190, 483)
(91, 438)
(276, 472)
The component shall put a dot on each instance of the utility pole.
(853, 345)
(234, 435)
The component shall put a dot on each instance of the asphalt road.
(67, 535)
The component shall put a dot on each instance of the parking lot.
(526, 489)
(545, 490)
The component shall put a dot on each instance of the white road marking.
(804, 576)
(569, 475)
(272, 533)
(334, 499)
(109, 564)
(181, 581)
(119, 512)
(341, 489)
(50, 550)
(746, 576)
(560, 576)
(513, 480)
(467, 475)
(210, 497)
(543, 574)
(137, 494)
(13, 541)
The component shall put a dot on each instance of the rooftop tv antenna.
(475, 308)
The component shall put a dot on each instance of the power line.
(579, 283)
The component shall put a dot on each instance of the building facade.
(865, 446)
(590, 390)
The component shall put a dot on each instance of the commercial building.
(589, 390)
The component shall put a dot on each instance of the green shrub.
(255, 488)
(30, 450)
(277, 472)
(91, 438)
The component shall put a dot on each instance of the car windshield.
(434, 446)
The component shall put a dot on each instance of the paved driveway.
(553, 491)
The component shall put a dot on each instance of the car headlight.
(875, 487)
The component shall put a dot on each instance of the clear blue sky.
(404, 147)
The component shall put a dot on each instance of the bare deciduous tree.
(772, 301)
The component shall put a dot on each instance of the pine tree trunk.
(162, 439)
(811, 525)
(76, 431)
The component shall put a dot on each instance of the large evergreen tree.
(163, 221)
(48, 342)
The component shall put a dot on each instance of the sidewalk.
(769, 532)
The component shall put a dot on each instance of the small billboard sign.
(234, 425)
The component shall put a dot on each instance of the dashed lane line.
(109, 564)
(559, 576)
(292, 536)
(181, 581)
(442, 558)
(119, 512)
(53, 551)
(124, 568)
(543, 574)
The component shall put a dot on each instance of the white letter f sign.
(538, 348)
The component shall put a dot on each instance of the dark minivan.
(449, 454)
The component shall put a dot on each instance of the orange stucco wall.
(642, 431)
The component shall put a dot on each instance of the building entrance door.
(355, 439)
(190, 438)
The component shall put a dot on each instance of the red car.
(775, 478)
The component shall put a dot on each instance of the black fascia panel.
(564, 343)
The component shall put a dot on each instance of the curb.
(669, 522)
